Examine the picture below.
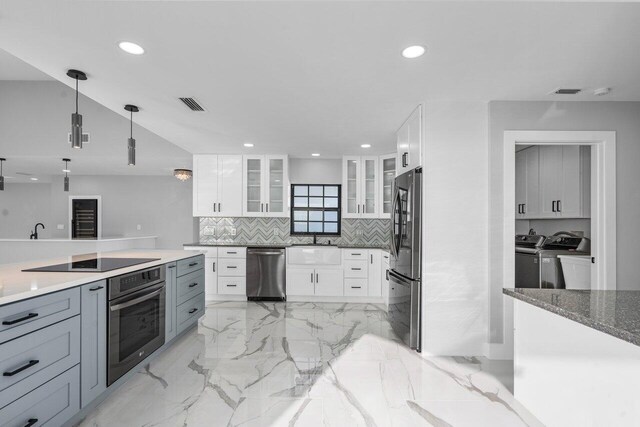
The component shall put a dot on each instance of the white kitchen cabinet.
(374, 274)
(217, 185)
(300, 281)
(409, 143)
(266, 186)
(360, 181)
(384, 274)
(387, 176)
(527, 183)
(328, 281)
(564, 181)
(319, 281)
(210, 277)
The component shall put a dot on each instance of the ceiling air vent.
(192, 104)
(567, 91)
(85, 138)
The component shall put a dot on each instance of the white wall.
(455, 228)
(621, 117)
(315, 171)
(162, 205)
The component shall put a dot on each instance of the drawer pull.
(22, 368)
(356, 287)
(356, 269)
(193, 284)
(22, 319)
(171, 266)
(193, 264)
(231, 286)
(193, 310)
(231, 252)
(30, 422)
(355, 254)
(231, 266)
(97, 288)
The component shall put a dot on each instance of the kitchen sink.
(314, 255)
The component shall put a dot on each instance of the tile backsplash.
(276, 230)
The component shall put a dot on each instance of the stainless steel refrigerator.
(405, 268)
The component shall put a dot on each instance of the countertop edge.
(282, 245)
(33, 293)
(614, 332)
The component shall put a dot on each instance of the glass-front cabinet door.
(369, 187)
(360, 187)
(351, 207)
(253, 186)
(276, 185)
(387, 176)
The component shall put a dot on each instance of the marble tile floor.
(305, 364)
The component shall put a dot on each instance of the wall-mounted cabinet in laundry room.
(266, 186)
(217, 185)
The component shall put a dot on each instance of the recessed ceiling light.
(315, 154)
(366, 146)
(248, 145)
(132, 48)
(33, 179)
(66, 170)
(413, 52)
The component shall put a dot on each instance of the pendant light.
(66, 174)
(76, 119)
(1, 176)
(131, 145)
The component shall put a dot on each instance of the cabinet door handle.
(311, 277)
(356, 254)
(214, 207)
(232, 266)
(559, 205)
(193, 310)
(524, 208)
(267, 207)
(356, 268)
(553, 206)
(231, 286)
(171, 266)
(387, 272)
(219, 207)
(22, 319)
(358, 208)
(214, 266)
(356, 287)
(261, 207)
(404, 160)
(316, 277)
(231, 252)
(30, 422)
(193, 284)
(21, 368)
(371, 258)
(97, 288)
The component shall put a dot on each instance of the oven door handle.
(135, 301)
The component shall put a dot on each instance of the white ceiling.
(302, 77)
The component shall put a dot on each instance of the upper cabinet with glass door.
(266, 184)
(387, 177)
(360, 193)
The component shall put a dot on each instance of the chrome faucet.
(34, 235)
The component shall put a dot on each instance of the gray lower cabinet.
(189, 286)
(186, 266)
(33, 359)
(170, 302)
(93, 358)
(26, 316)
(51, 404)
(189, 312)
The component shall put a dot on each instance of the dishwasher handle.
(263, 252)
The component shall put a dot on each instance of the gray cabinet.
(189, 312)
(189, 286)
(51, 404)
(170, 302)
(93, 353)
(186, 266)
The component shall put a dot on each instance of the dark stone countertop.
(616, 313)
(286, 245)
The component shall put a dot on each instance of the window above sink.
(315, 210)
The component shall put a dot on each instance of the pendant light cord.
(131, 123)
(76, 96)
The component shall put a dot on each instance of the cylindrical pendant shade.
(66, 183)
(131, 147)
(1, 183)
(76, 130)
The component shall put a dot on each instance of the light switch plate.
(139, 227)
(60, 226)
(232, 231)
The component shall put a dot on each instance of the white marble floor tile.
(306, 364)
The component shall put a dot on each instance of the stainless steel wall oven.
(136, 319)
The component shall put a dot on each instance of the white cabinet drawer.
(232, 267)
(232, 252)
(355, 287)
(355, 269)
(232, 286)
(354, 254)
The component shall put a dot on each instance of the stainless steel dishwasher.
(266, 274)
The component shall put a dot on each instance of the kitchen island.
(62, 333)
(587, 341)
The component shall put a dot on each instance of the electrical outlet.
(232, 231)
(276, 232)
(209, 230)
(60, 226)
(139, 227)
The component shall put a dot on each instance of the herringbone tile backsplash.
(276, 230)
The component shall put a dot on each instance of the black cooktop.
(92, 265)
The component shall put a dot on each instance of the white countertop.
(16, 285)
(102, 239)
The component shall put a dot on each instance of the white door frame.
(603, 199)
(69, 218)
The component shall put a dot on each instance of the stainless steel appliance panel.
(406, 238)
(266, 274)
(405, 309)
(527, 270)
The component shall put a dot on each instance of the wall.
(622, 117)
(22, 206)
(161, 205)
(315, 171)
(244, 231)
(455, 228)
